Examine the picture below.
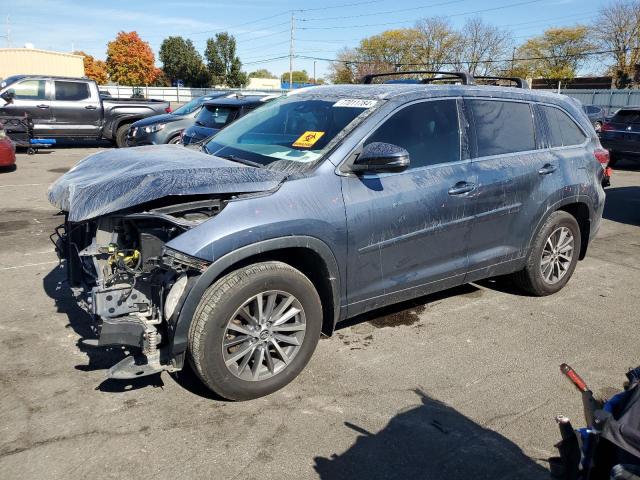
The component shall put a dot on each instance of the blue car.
(319, 206)
(217, 114)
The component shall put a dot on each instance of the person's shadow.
(56, 287)
(430, 441)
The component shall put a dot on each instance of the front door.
(32, 99)
(408, 232)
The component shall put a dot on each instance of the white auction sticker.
(355, 103)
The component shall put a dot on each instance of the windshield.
(188, 107)
(291, 129)
(10, 80)
(215, 116)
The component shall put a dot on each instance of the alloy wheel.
(557, 255)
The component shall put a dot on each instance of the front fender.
(180, 330)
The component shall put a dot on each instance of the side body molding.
(180, 329)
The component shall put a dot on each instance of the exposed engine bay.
(123, 275)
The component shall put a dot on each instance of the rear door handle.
(42, 105)
(547, 169)
(461, 188)
(91, 107)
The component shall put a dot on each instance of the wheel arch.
(310, 255)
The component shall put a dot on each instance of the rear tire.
(553, 256)
(613, 159)
(121, 136)
(239, 349)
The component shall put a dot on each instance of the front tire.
(553, 256)
(121, 136)
(254, 330)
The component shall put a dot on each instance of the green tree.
(556, 56)
(223, 64)
(181, 61)
(299, 76)
(262, 73)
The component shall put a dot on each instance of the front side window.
(30, 90)
(502, 127)
(562, 130)
(429, 131)
(289, 132)
(72, 91)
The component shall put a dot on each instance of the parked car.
(320, 206)
(72, 108)
(216, 114)
(596, 114)
(167, 128)
(621, 134)
(7, 152)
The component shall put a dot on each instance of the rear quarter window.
(563, 131)
(502, 127)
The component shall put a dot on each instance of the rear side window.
(72, 90)
(502, 127)
(562, 130)
(30, 90)
(429, 131)
(627, 116)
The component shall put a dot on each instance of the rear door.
(76, 109)
(32, 97)
(507, 162)
(408, 231)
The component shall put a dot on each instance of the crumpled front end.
(123, 275)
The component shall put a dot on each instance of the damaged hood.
(113, 180)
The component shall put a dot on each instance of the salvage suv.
(317, 207)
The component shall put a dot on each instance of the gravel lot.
(462, 384)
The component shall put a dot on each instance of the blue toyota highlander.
(319, 206)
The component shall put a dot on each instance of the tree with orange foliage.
(130, 60)
(94, 69)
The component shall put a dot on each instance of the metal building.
(31, 61)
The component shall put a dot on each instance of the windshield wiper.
(233, 158)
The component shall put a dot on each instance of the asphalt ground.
(458, 385)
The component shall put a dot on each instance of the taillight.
(606, 127)
(602, 155)
(168, 109)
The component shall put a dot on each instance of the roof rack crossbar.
(520, 82)
(467, 78)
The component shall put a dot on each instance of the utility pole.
(291, 46)
(314, 73)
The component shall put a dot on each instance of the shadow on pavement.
(56, 287)
(623, 205)
(430, 441)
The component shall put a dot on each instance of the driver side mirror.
(381, 157)
(8, 96)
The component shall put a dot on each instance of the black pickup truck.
(72, 108)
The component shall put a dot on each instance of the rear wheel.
(254, 330)
(553, 256)
(121, 136)
(613, 158)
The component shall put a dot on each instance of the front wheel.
(254, 330)
(121, 136)
(553, 256)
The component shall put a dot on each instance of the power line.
(385, 13)
(519, 4)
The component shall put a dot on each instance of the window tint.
(72, 90)
(30, 90)
(562, 130)
(213, 116)
(627, 116)
(502, 127)
(427, 130)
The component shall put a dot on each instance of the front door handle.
(42, 105)
(461, 188)
(91, 107)
(547, 169)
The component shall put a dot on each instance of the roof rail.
(467, 78)
(520, 82)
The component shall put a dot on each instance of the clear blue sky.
(262, 27)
